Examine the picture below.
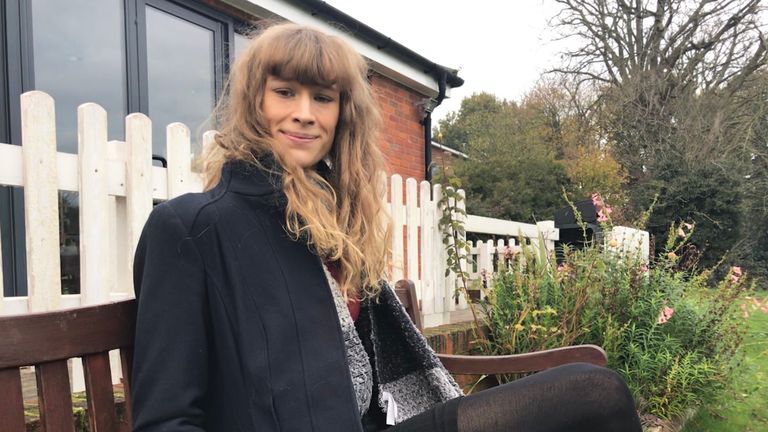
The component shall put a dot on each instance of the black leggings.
(574, 397)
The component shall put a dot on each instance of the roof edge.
(377, 39)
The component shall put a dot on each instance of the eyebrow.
(333, 87)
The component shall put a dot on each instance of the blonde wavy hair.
(341, 216)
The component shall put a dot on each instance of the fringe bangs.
(308, 58)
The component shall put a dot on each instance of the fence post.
(138, 177)
(549, 233)
(94, 204)
(41, 193)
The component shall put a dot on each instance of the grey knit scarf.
(411, 379)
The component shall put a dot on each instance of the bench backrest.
(406, 292)
(46, 341)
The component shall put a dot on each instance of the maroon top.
(352, 304)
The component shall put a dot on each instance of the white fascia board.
(449, 150)
(381, 61)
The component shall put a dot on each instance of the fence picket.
(397, 211)
(179, 157)
(412, 223)
(138, 178)
(41, 204)
(427, 209)
(442, 294)
(120, 284)
(94, 204)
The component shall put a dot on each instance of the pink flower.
(735, 274)
(596, 200)
(602, 210)
(680, 232)
(510, 252)
(665, 314)
(644, 268)
(484, 277)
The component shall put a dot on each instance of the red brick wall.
(403, 134)
(442, 158)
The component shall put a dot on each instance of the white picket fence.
(117, 185)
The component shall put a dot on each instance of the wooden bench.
(48, 340)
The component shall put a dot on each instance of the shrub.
(674, 338)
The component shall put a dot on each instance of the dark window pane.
(180, 69)
(14, 260)
(79, 56)
(69, 232)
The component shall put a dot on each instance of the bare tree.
(703, 43)
(672, 73)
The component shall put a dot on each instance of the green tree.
(511, 172)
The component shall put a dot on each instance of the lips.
(299, 137)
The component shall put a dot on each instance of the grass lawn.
(744, 408)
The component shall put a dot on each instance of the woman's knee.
(585, 378)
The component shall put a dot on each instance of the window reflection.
(180, 69)
(79, 56)
(69, 242)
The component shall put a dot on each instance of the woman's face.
(302, 119)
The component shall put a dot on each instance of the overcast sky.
(501, 47)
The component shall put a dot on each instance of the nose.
(303, 112)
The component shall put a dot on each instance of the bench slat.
(126, 360)
(54, 397)
(12, 407)
(98, 387)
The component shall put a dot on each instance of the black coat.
(237, 329)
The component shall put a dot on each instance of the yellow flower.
(519, 327)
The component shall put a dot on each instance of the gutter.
(429, 106)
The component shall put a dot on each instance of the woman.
(260, 301)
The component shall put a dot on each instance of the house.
(443, 156)
(169, 60)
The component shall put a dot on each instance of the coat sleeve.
(170, 364)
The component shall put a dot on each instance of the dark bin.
(571, 233)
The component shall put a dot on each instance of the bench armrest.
(521, 363)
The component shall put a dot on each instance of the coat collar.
(246, 178)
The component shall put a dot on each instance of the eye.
(323, 98)
(283, 92)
